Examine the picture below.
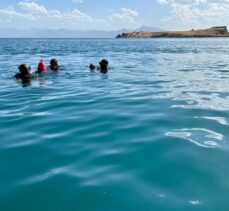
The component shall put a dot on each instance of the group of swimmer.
(26, 74)
(103, 66)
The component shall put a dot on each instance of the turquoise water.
(150, 135)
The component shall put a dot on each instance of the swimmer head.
(24, 69)
(103, 65)
(54, 64)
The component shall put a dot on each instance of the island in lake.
(219, 31)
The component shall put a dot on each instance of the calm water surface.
(153, 134)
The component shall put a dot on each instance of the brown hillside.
(212, 32)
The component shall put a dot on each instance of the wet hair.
(24, 74)
(104, 62)
(54, 64)
(104, 66)
(24, 69)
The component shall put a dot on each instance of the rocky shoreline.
(219, 31)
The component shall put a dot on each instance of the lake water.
(152, 134)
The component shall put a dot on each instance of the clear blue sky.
(108, 14)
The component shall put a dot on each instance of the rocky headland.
(219, 31)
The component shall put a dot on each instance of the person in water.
(103, 66)
(41, 67)
(54, 65)
(25, 73)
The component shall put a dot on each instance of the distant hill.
(67, 33)
(218, 31)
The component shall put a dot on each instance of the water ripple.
(199, 136)
(152, 134)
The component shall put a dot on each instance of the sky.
(113, 15)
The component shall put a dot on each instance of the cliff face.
(220, 31)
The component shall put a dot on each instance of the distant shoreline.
(214, 32)
(105, 38)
